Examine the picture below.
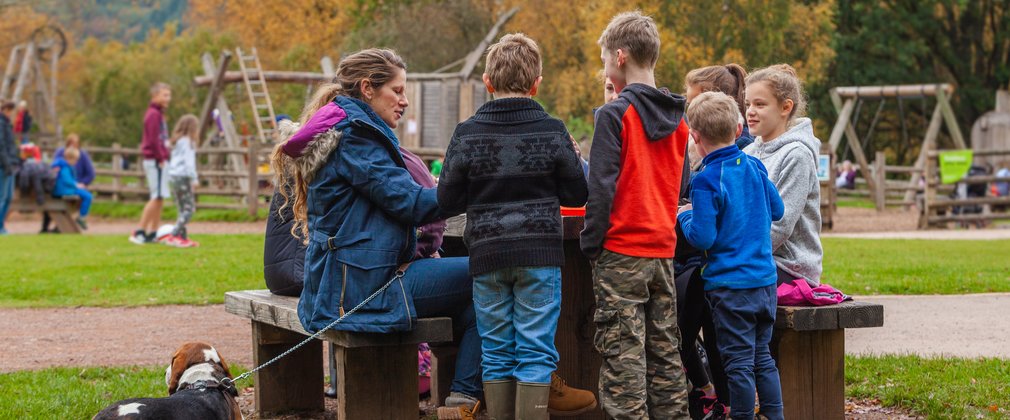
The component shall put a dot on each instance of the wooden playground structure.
(919, 185)
(32, 75)
(235, 167)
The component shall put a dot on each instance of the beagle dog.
(195, 390)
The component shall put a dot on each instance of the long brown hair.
(378, 66)
(729, 79)
(187, 126)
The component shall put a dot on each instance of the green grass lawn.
(913, 267)
(108, 270)
(79, 393)
(945, 388)
(131, 211)
(935, 388)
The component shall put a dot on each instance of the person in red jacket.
(155, 153)
(636, 172)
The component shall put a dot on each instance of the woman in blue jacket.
(357, 209)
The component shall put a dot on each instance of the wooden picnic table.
(809, 346)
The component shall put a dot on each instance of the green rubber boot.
(531, 401)
(500, 396)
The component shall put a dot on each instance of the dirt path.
(30, 225)
(39, 338)
(933, 325)
(961, 326)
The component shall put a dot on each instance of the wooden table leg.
(294, 383)
(812, 371)
(377, 382)
(443, 370)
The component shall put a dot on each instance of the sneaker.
(150, 238)
(184, 243)
(169, 240)
(139, 237)
(701, 406)
(717, 411)
(82, 223)
(567, 401)
(459, 407)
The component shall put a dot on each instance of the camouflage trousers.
(182, 190)
(638, 337)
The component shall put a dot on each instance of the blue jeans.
(517, 316)
(441, 287)
(86, 199)
(744, 319)
(6, 194)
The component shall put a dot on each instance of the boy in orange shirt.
(635, 178)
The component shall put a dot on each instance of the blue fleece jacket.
(733, 206)
(66, 181)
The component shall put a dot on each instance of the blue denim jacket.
(363, 207)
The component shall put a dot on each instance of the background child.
(629, 231)
(693, 310)
(729, 79)
(182, 178)
(66, 183)
(787, 146)
(734, 205)
(8, 161)
(510, 167)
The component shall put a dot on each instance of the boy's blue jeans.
(517, 316)
(744, 319)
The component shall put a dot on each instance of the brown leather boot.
(568, 401)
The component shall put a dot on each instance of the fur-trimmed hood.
(315, 152)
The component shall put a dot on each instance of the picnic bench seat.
(809, 348)
(62, 210)
(376, 373)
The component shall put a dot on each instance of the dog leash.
(230, 383)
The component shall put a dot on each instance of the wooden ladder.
(259, 96)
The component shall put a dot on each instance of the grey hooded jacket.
(791, 160)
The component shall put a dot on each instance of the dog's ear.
(176, 368)
(224, 365)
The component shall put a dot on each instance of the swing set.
(849, 100)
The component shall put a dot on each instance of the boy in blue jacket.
(66, 183)
(734, 204)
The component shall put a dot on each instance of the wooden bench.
(809, 348)
(61, 210)
(376, 373)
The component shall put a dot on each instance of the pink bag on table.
(799, 293)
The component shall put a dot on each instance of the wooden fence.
(940, 209)
(116, 184)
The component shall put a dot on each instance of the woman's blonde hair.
(729, 79)
(378, 66)
(785, 84)
(187, 126)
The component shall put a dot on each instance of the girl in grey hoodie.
(788, 148)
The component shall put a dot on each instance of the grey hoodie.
(791, 160)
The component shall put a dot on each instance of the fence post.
(929, 192)
(880, 193)
(117, 165)
(252, 184)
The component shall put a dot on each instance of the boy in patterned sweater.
(510, 167)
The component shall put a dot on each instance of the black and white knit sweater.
(510, 167)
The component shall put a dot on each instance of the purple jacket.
(429, 237)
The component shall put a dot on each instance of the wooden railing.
(243, 189)
(113, 183)
(939, 209)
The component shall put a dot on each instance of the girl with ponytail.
(729, 79)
